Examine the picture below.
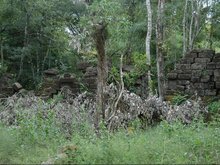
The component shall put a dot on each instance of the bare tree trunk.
(115, 107)
(25, 41)
(191, 27)
(196, 13)
(2, 54)
(32, 69)
(160, 56)
(100, 35)
(211, 32)
(45, 58)
(148, 39)
(184, 29)
(195, 26)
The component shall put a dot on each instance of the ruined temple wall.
(198, 72)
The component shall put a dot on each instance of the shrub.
(7, 145)
(214, 107)
(179, 99)
(38, 127)
(165, 144)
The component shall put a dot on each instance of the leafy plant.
(179, 99)
(114, 75)
(3, 69)
(139, 61)
(214, 107)
(39, 127)
(7, 145)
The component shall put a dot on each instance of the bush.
(7, 145)
(179, 99)
(38, 124)
(3, 69)
(39, 128)
(166, 144)
(214, 107)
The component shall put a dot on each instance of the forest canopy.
(37, 35)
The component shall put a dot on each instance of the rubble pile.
(73, 111)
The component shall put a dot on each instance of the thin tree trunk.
(211, 33)
(148, 40)
(196, 15)
(32, 70)
(37, 66)
(2, 54)
(115, 107)
(100, 38)
(213, 10)
(191, 27)
(184, 29)
(25, 42)
(46, 56)
(160, 56)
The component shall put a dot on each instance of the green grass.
(15, 149)
(166, 144)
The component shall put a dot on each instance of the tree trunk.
(99, 36)
(159, 44)
(25, 40)
(184, 29)
(191, 27)
(210, 42)
(2, 54)
(148, 40)
(115, 107)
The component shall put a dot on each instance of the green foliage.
(3, 69)
(179, 99)
(130, 79)
(7, 145)
(114, 75)
(214, 107)
(38, 127)
(34, 37)
(165, 144)
(140, 63)
(140, 69)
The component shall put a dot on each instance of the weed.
(179, 99)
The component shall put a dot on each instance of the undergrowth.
(166, 143)
(37, 136)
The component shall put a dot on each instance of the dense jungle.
(109, 81)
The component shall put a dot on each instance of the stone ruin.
(196, 73)
(141, 84)
(54, 82)
(8, 87)
(89, 76)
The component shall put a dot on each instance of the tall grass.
(35, 141)
(166, 144)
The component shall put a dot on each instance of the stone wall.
(6, 89)
(89, 76)
(198, 72)
(53, 82)
(8, 86)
